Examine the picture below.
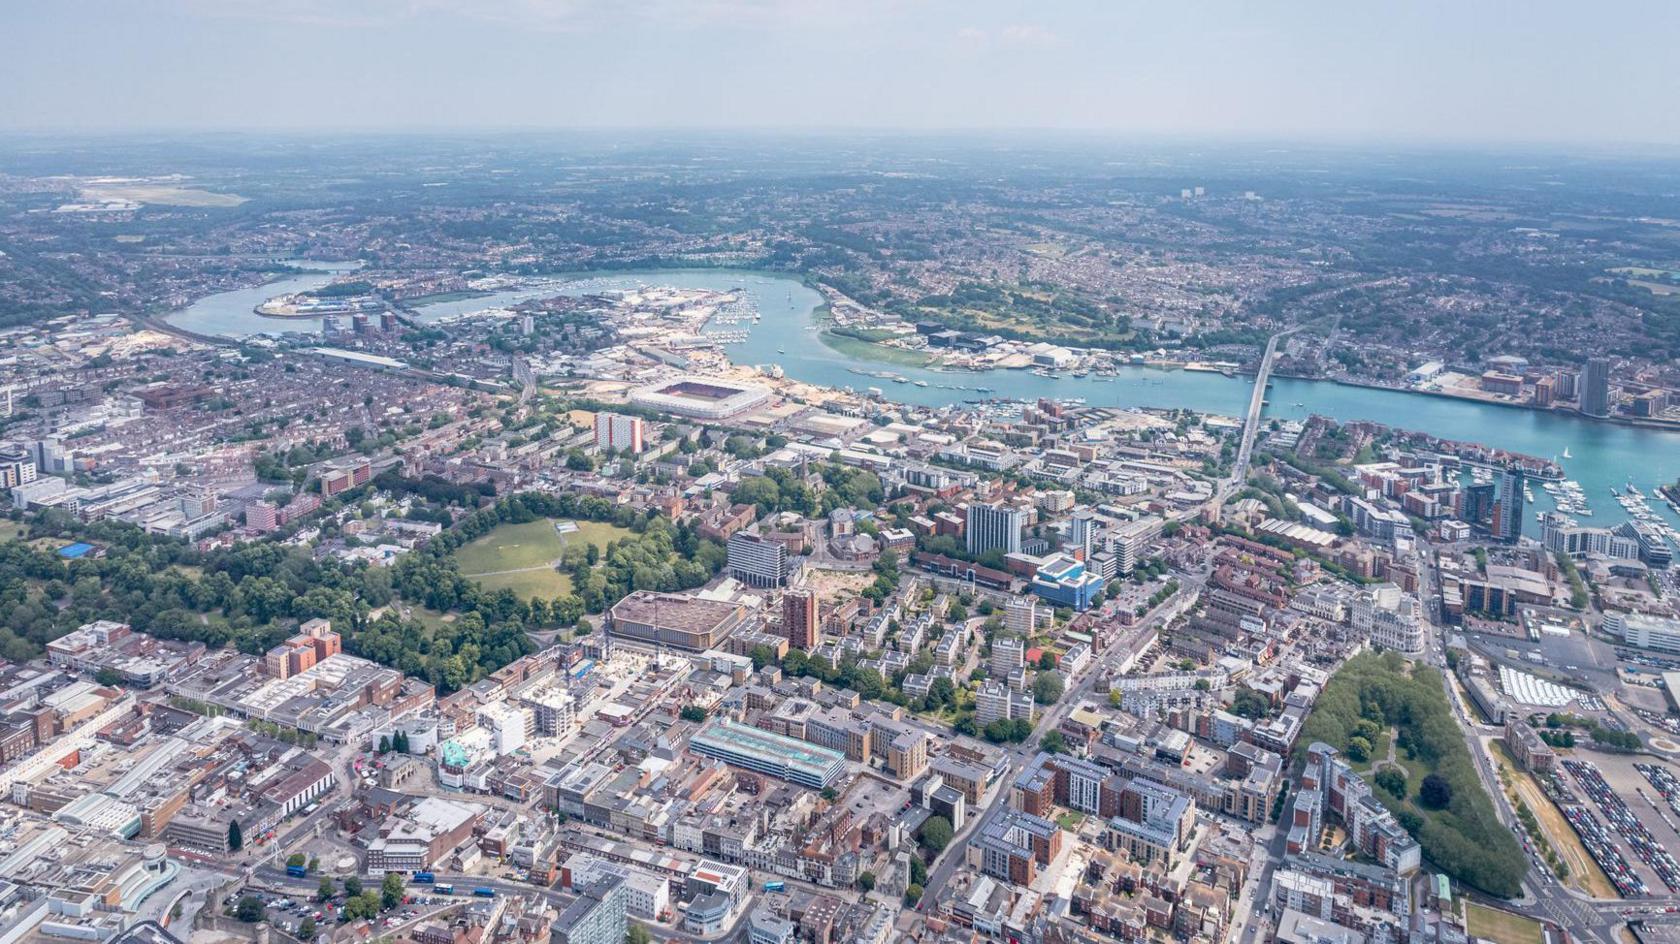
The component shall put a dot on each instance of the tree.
(1250, 704)
(325, 890)
(830, 794)
(236, 838)
(1047, 688)
(250, 910)
(1359, 749)
(384, 744)
(1053, 742)
(935, 834)
(296, 859)
(1047, 661)
(918, 871)
(1392, 780)
(912, 895)
(692, 713)
(353, 886)
(306, 930)
(108, 677)
(391, 890)
(1435, 793)
(866, 881)
(399, 743)
(636, 934)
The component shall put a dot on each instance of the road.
(1544, 898)
(1018, 755)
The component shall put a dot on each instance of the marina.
(775, 322)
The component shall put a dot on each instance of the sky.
(1499, 71)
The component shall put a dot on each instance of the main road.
(1102, 667)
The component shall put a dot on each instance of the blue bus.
(484, 891)
(443, 889)
(774, 886)
(297, 871)
(424, 878)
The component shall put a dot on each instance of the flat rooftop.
(674, 611)
(749, 740)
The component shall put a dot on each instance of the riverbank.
(1667, 426)
(871, 350)
(1605, 455)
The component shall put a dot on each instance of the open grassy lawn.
(1502, 926)
(869, 350)
(521, 557)
(533, 582)
(12, 530)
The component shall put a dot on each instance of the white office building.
(994, 528)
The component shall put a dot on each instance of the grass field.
(1502, 926)
(163, 195)
(869, 350)
(521, 557)
(12, 530)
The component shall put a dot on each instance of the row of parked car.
(1622, 819)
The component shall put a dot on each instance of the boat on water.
(921, 383)
(1566, 454)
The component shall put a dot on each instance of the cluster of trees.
(1578, 595)
(1159, 597)
(397, 742)
(252, 596)
(886, 573)
(1001, 731)
(1047, 687)
(1558, 734)
(291, 465)
(1250, 704)
(1451, 817)
(935, 835)
(781, 489)
(865, 681)
(658, 556)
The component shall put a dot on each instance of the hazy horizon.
(1546, 74)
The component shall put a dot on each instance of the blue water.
(1603, 454)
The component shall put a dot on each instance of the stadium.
(708, 398)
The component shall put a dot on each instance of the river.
(1603, 455)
